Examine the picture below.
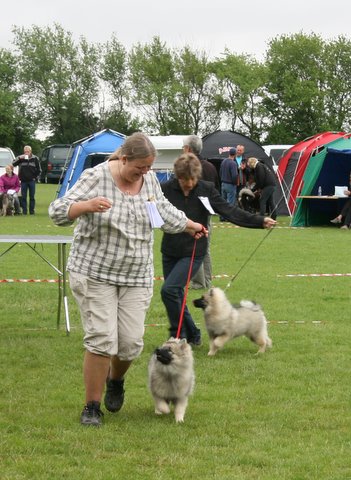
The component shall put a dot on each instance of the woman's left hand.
(196, 230)
(200, 233)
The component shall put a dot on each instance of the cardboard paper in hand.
(339, 191)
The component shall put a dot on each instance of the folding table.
(61, 241)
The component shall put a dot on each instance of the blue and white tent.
(87, 153)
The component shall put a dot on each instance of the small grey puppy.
(225, 321)
(172, 377)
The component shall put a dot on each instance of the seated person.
(344, 216)
(10, 184)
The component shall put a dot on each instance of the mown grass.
(283, 415)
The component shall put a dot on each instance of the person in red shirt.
(10, 184)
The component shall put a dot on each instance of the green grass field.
(284, 415)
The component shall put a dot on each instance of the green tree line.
(70, 89)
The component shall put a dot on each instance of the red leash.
(186, 291)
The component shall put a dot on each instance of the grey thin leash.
(248, 259)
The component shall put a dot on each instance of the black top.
(209, 173)
(29, 168)
(264, 176)
(181, 244)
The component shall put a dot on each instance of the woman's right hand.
(94, 205)
(269, 222)
(99, 204)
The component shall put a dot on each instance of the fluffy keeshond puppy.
(225, 321)
(172, 377)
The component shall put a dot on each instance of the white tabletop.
(19, 238)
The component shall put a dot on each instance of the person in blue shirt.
(228, 173)
(243, 170)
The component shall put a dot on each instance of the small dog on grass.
(172, 377)
(8, 207)
(248, 200)
(225, 321)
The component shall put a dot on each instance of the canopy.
(87, 153)
(216, 147)
(328, 168)
(293, 164)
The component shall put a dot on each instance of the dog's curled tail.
(255, 307)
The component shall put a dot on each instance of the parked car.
(53, 162)
(6, 158)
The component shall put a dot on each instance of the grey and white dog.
(225, 321)
(8, 207)
(172, 377)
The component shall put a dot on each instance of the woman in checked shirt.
(111, 263)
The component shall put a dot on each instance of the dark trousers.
(267, 203)
(175, 272)
(25, 188)
(346, 212)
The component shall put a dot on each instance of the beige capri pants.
(112, 316)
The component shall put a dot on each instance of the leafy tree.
(8, 97)
(337, 67)
(15, 127)
(295, 87)
(114, 74)
(193, 108)
(241, 82)
(59, 81)
(153, 80)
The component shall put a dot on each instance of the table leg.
(59, 279)
(64, 281)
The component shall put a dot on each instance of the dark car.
(54, 159)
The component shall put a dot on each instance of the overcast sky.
(241, 26)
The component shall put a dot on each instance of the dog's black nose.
(199, 303)
(164, 355)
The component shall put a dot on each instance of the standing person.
(185, 192)
(243, 170)
(228, 173)
(111, 263)
(10, 184)
(266, 185)
(29, 172)
(193, 144)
